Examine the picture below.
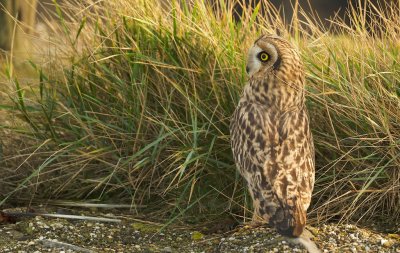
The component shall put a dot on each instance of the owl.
(271, 139)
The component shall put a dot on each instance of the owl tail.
(290, 220)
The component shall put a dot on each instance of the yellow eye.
(264, 56)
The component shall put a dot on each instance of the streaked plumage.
(270, 136)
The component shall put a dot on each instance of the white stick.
(79, 217)
(90, 205)
(64, 216)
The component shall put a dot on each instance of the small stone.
(388, 243)
(16, 234)
(352, 236)
(56, 225)
(166, 250)
(31, 243)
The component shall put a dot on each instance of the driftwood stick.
(94, 205)
(63, 216)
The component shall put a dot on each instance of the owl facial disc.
(261, 58)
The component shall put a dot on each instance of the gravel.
(39, 234)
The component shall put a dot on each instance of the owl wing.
(252, 138)
(248, 139)
(289, 170)
(274, 153)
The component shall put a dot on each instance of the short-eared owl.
(270, 136)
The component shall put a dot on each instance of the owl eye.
(263, 56)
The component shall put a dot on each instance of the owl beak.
(247, 69)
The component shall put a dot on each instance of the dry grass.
(141, 111)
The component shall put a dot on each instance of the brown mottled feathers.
(271, 139)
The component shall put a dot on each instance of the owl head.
(268, 55)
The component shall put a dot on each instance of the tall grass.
(139, 109)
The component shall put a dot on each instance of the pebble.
(166, 250)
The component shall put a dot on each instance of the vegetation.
(139, 110)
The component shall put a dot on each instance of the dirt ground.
(86, 231)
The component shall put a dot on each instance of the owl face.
(263, 56)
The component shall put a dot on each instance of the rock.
(17, 235)
(388, 243)
(166, 250)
